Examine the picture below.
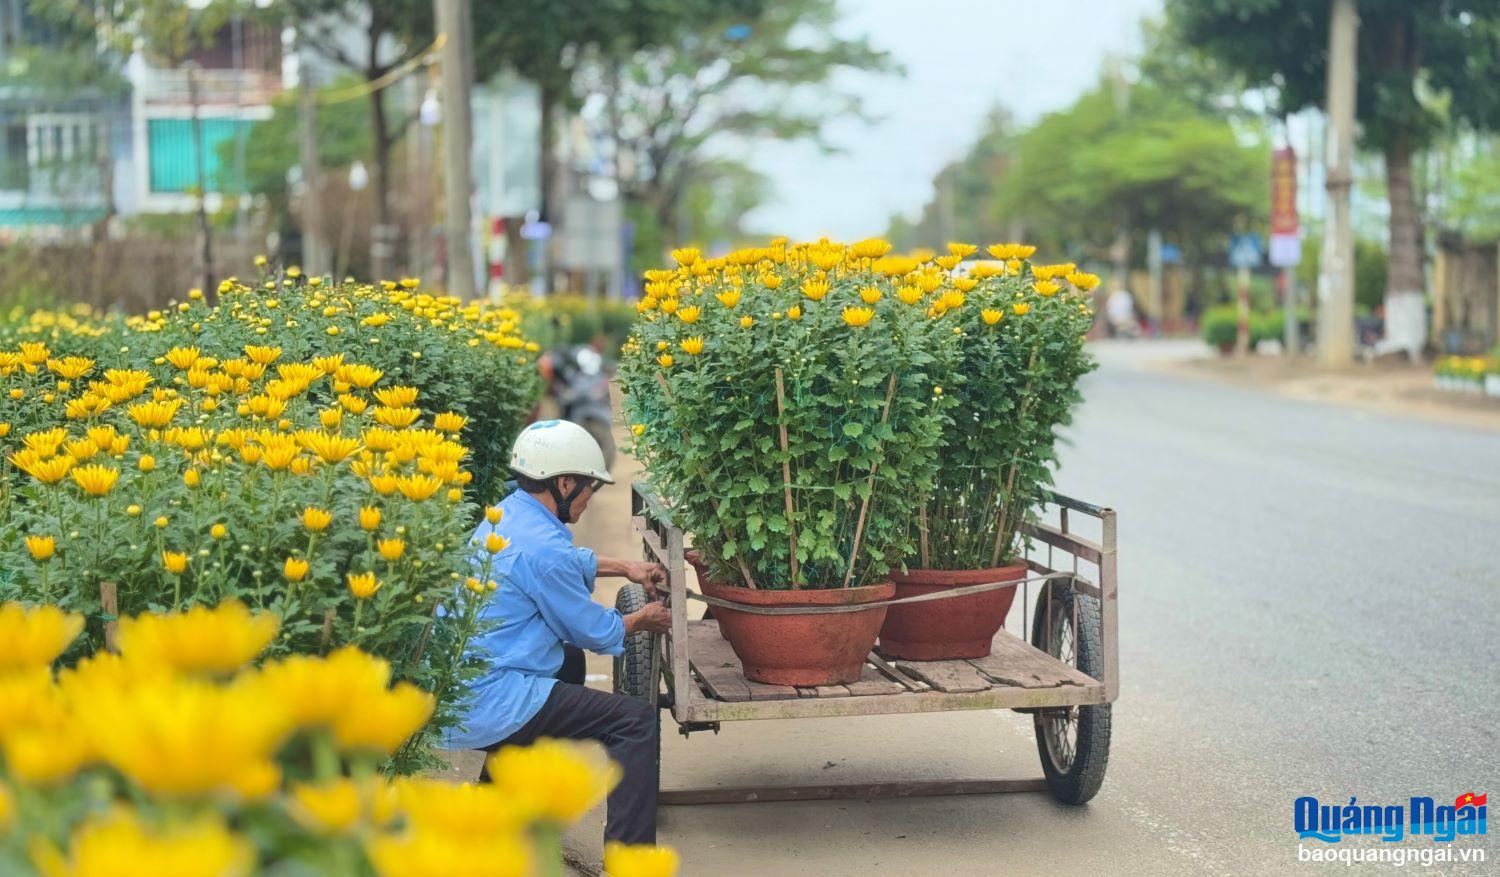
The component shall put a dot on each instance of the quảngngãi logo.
(1420, 816)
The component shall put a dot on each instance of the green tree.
(1422, 65)
(733, 79)
(545, 41)
(966, 199)
(343, 135)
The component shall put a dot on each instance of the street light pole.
(453, 21)
(1336, 274)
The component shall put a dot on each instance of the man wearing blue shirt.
(543, 607)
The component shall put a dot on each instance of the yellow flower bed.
(297, 447)
(172, 757)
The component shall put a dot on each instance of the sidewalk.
(1394, 387)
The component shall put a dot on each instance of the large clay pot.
(804, 650)
(695, 560)
(943, 630)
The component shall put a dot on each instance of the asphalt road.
(1307, 604)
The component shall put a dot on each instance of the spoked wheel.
(638, 667)
(1073, 741)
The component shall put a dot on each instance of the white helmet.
(558, 447)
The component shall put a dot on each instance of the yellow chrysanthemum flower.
(96, 480)
(369, 518)
(692, 346)
(1047, 288)
(1020, 308)
(36, 636)
(295, 569)
(315, 519)
(391, 549)
(119, 842)
(561, 780)
(1083, 280)
(815, 288)
(689, 313)
(421, 854)
(332, 807)
(449, 421)
(174, 562)
(363, 585)
(991, 316)
(640, 860)
(858, 317)
(199, 640)
(380, 722)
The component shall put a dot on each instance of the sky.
(961, 57)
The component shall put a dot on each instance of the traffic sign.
(1245, 251)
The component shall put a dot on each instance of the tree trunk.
(1405, 253)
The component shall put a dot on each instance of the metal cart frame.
(1024, 673)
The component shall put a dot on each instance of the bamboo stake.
(1010, 478)
(864, 507)
(109, 604)
(786, 474)
(713, 501)
(426, 632)
(327, 631)
(922, 533)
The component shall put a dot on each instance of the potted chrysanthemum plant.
(787, 401)
(1022, 327)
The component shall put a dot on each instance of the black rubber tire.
(1078, 780)
(635, 672)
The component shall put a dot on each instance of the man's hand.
(653, 618)
(646, 573)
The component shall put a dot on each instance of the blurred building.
(73, 153)
(59, 141)
(229, 84)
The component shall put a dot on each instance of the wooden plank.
(825, 691)
(719, 668)
(853, 791)
(930, 701)
(681, 669)
(892, 672)
(947, 676)
(873, 682)
(1018, 664)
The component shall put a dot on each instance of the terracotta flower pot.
(805, 650)
(695, 560)
(942, 630)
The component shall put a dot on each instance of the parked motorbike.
(577, 381)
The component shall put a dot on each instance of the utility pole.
(314, 251)
(454, 21)
(1336, 274)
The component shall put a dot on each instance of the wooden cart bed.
(1014, 674)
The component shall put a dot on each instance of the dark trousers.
(628, 728)
(574, 665)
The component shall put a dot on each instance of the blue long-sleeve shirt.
(544, 600)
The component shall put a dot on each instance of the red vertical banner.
(1286, 232)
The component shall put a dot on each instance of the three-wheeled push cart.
(1059, 662)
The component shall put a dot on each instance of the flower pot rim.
(915, 574)
(806, 596)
